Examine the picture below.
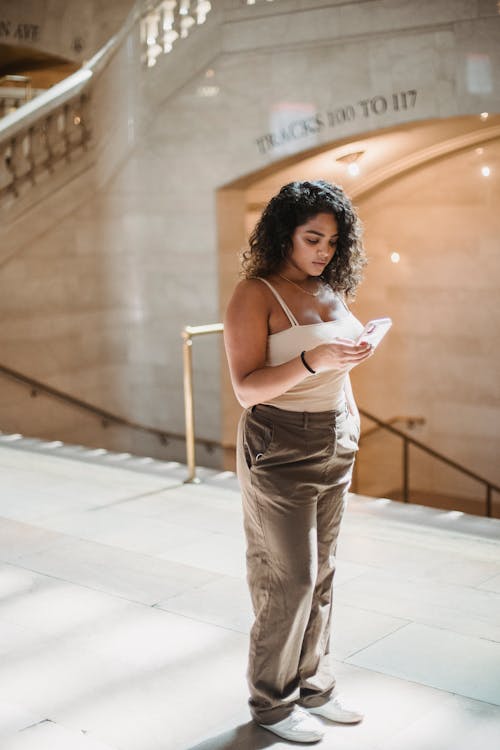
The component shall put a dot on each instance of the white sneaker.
(299, 726)
(336, 710)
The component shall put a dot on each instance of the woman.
(289, 339)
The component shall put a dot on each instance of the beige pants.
(294, 470)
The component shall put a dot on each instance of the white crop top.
(321, 392)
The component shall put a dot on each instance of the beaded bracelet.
(305, 363)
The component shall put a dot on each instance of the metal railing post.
(406, 478)
(187, 357)
(187, 335)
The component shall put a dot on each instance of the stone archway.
(394, 159)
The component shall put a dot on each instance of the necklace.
(312, 294)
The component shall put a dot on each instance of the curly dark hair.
(271, 240)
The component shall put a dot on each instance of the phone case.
(375, 330)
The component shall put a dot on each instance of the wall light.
(351, 160)
(395, 257)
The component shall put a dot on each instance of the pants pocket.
(258, 438)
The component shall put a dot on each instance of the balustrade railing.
(15, 90)
(166, 22)
(35, 150)
(55, 126)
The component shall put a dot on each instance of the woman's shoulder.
(250, 293)
(251, 287)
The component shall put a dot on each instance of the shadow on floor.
(246, 737)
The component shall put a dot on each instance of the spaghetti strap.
(342, 300)
(291, 317)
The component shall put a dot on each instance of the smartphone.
(374, 331)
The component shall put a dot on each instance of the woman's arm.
(245, 340)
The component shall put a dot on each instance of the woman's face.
(313, 245)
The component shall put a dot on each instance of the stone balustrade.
(55, 127)
(33, 152)
(166, 22)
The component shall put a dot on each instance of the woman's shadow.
(247, 736)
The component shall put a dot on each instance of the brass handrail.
(408, 440)
(190, 331)
(164, 435)
(410, 422)
(106, 416)
(187, 335)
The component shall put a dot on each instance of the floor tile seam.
(417, 541)
(445, 693)
(111, 594)
(214, 577)
(490, 578)
(420, 622)
(41, 550)
(32, 523)
(406, 679)
(438, 523)
(427, 622)
(388, 614)
(145, 606)
(422, 515)
(421, 529)
(68, 538)
(377, 640)
(202, 621)
(220, 576)
(106, 592)
(374, 569)
(184, 566)
(65, 538)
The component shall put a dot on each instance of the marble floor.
(124, 613)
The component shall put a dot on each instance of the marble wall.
(152, 247)
(70, 29)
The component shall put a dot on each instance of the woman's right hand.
(340, 354)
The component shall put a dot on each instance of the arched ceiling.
(387, 154)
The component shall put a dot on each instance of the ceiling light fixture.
(351, 160)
